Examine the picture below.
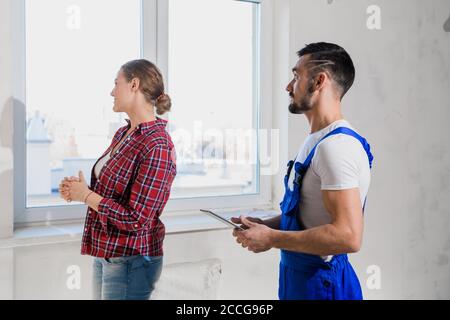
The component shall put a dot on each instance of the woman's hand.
(74, 189)
(64, 188)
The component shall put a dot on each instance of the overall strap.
(343, 130)
(347, 131)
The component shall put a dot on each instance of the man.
(325, 187)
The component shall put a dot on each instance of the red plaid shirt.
(135, 186)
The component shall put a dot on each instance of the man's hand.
(342, 235)
(251, 219)
(257, 237)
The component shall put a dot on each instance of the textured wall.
(401, 102)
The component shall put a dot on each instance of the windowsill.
(175, 224)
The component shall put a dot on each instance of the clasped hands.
(74, 188)
(256, 237)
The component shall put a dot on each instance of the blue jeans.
(126, 278)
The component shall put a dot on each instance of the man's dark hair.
(332, 58)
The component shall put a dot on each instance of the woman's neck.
(141, 115)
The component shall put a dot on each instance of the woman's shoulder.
(159, 137)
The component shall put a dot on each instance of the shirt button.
(136, 226)
(85, 229)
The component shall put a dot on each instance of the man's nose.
(289, 87)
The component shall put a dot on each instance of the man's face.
(300, 88)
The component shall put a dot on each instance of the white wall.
(400, 102)
(6, 120)
(40, 271)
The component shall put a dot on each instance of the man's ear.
(320, 80)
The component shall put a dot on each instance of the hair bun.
(163, 104)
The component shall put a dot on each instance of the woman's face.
(122, 93)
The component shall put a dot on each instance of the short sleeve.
(338, 162)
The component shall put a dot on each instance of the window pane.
(73, 52)
(213, 54)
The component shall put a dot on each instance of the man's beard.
(304, 105)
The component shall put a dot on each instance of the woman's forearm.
(93, 200)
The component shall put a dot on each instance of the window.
(73, 51)
(212, 76)
(210, 54)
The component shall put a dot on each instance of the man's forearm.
(273, 223)
(323, 240)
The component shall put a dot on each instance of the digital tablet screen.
(221, 219)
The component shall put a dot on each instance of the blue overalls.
(306, 276)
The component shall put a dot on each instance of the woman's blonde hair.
(151, 83)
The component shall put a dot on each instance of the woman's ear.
(134, 84)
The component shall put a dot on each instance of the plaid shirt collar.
(156, 125)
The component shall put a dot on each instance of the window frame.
(154, 40)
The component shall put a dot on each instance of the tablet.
(222, 219)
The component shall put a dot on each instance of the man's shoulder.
(340, 145)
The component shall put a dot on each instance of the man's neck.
(320, 117)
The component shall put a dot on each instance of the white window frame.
(154, 22)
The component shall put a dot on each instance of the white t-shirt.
(340, 162)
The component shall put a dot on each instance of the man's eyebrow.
(294, 70)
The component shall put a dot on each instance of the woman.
(130, 185)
